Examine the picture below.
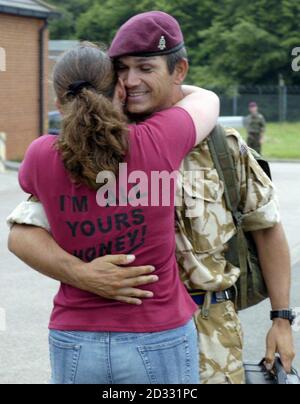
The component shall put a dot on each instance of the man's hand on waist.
(107, 277)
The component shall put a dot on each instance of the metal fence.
(277, 103)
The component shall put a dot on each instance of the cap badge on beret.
(162, 43)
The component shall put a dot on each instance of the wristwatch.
(289, 315)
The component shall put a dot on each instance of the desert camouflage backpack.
(242, 252)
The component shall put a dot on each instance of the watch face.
(296, 324)
(291, 316)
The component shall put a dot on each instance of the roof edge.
(44, 15)
(51, 7)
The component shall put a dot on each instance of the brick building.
(23, 72)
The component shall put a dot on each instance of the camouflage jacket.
(255, 123)
(202, 239)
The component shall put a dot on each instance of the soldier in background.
(255, 124)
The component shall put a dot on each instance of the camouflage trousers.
(254, 141)
(221, 345)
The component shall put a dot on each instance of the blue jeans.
(169, 357)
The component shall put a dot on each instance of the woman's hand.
(120, 96)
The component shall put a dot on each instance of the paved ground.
(27, 296)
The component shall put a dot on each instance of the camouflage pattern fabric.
(221, 346)
(255, 123)
(254, 142)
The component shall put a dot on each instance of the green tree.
(230, 42)
(65, 26)
(245, 54)
(101, 21)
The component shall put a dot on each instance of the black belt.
(217, 297)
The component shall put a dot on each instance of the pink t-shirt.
(83, 228)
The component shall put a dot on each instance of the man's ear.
(181, 71)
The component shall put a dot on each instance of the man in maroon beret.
(147, 50)
(151, 59)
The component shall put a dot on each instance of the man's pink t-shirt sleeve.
(172, 131)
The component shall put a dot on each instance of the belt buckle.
(223, 296)
(219, 297)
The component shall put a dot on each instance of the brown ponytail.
(94, 133)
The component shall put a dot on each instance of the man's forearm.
(48, 258)
(276, 265)
(275, 260)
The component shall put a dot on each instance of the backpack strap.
(226, 169)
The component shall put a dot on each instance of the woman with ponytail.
(94, 134)
(95, 340)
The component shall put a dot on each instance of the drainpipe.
(2, 153)
(42, 77)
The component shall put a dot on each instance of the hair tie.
(76, 87)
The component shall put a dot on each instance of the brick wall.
(19, 84)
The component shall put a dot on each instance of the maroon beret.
(148, 34)
(252, 104)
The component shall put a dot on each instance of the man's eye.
(146, 69)
(121, 68)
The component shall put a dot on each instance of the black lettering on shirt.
(137, 214)
(122, 219)
(73, 227)
(88, 228)
(80, 204)
(132, 237)
(90, 254)
(120, 244)
(79, 254)
(105, 249)
(105, 229)
(62, 203)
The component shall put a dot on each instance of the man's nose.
(132, 79)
